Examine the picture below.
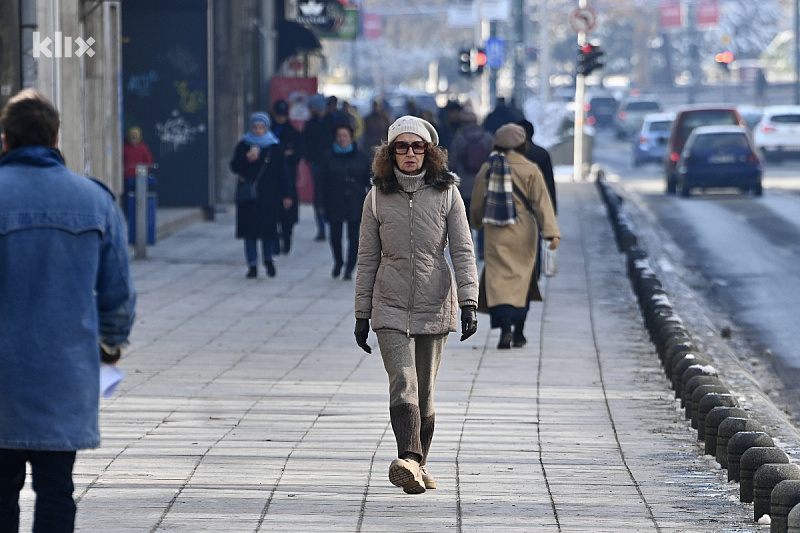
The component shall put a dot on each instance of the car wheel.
(758, 190)
(686, 191)
(671, 187)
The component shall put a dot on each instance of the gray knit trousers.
(412, 364)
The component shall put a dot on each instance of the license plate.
(722, 159)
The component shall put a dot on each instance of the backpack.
(475, 154)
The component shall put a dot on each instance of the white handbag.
(549, 259)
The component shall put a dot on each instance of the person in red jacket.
(134, 152)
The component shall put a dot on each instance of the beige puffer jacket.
(404, 281)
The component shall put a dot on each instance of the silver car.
(651, 140)
(778, 133)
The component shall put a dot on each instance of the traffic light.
(724, 59)
(465, 67)
(589, 58)
(472, 61)
(477, 59)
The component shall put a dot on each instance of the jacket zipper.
(413, 264)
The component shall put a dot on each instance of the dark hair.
(345, 125)
(521, 149)
(29, 119)
(528, 126)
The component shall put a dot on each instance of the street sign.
(582, 19)
(495, 50)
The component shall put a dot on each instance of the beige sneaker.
(430, 482)
(406, 473)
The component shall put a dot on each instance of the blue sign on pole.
(495, 52)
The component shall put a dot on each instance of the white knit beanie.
(415, 125)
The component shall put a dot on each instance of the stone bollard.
(698, 395)
(765, 479)
(727, 429)
(793, 525)
(670, 333)
(674, 350)
(752, 459)
(697, 369)
(785, 496)
(739, 444)
(713, 419)
(709, 402)
(683, 363)
(660, 317)
(691, 385)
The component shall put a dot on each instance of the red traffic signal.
(724, 57)
(589, 58)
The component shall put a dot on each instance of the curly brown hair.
(435, 165)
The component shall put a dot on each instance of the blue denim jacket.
(65, 284)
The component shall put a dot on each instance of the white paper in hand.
(110, 377)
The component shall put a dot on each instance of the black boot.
(252, 272)
(519, 338)
(505, 334)
(270, 266)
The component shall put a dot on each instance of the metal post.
(140, 251)
(580, 95)
(796, 52)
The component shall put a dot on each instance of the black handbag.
(248, 191)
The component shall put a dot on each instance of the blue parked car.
(651, 141)
(719, 156)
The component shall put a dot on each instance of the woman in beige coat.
(507, 189)
(405, 286)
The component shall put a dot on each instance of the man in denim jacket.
(65, 290)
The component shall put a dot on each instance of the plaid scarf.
(500, 209)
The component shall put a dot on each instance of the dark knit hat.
(280, 107)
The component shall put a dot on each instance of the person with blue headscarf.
(258, 159)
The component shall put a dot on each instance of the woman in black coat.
(345, 178)
(258, 157)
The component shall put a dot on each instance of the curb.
(698, 386)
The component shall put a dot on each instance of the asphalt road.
(740, 253)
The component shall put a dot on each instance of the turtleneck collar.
(410, 183)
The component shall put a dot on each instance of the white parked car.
(777, 135)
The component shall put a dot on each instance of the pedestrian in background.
(449, 124)
(351, 115)
(376, 127)
(134, 153)
(500, 115)
(509, 190)
(290, 142)
(405, 285)
(345, 177)
(317, 138)
(539, 155)
(470, 150)
(66, 302)
(258, 159)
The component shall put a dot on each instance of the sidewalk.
(248, 407)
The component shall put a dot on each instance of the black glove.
(469, 321)
(361, 331)
(110, 355)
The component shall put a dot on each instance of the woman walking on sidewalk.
(405, 286)
(259, 160)
(510, 195)
(345, 179)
